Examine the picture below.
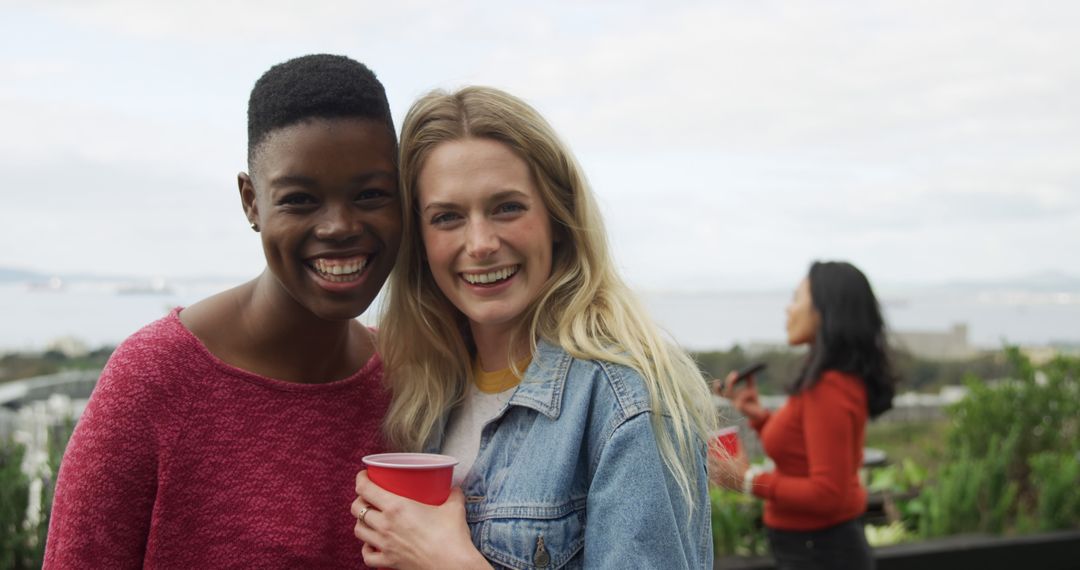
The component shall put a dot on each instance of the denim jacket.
(569, 476)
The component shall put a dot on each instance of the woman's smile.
(492, 278)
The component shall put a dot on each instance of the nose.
(481, 239)
(338, 223)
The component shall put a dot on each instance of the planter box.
(1044, 551)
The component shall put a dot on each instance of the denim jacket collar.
(545, 379)
(541, 389)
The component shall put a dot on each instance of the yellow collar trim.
(499, 380)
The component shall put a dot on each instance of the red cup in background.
(423, 477)
(728, 440)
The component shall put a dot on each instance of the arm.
(637, 516)
(401, 533)
(107, 481)
(829, 416)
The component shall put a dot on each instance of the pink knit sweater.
(182, 461)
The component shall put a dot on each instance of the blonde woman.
(513, 345)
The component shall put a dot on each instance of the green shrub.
(1042, 403)
(20, 547)
(1056, 476)
(22, 543)
(1011, 458)
(736, 523)
(972, 493)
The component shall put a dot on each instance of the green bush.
(972, 493)
(1042, 403)
(1057, 478)
(736, 523)
(1011, 458)
(22, 542)
(20, 546)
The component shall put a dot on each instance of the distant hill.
(1042, 281)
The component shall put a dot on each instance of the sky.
(729, 143)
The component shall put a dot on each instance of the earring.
(254, 227)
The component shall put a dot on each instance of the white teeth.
(340, 268)
(491, 276)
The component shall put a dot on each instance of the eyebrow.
(498, 196)
(287, 180)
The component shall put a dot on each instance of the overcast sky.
(730, 143)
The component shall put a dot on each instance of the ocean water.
(993, 317)
(97, 313)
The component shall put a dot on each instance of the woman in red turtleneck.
(813, 498)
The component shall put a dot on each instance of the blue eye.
(510, 208)
(443, 218)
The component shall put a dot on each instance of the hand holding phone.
(745, 397)
(745, 373)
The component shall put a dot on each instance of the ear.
(247, 197)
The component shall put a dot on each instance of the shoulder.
(145, 386)
(160, 341)
(844, 386)
(161, 350)
(618, 384)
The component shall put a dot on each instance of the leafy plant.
(1042, 403)
(1057, 478)
(736, 523)
(19, 547)
(972, 493)
(1011, 459)
(887, 535)
(898, 477)
(22, 540)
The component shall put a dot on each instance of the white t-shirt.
(485, 397)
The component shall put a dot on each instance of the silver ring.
(363, 513)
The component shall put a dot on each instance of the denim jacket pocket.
(534, 537)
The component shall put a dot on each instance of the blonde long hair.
(584, 306)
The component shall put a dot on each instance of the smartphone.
(748, 372)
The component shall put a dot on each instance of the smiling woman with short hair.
(263, 398)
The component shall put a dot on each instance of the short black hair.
(320, 86)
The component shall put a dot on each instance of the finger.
(356, 506)
(729, 383)
(374, 519)
(361, 479)
(374, 558)
(366, 533)
(716, 386)
(456, 498)
(372, 494)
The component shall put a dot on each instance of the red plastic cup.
(423, 477)
(728, 440)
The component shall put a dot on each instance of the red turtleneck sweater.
(816, 440)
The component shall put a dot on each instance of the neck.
(300, 345)
(493, 347)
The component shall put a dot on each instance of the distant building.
(1040, 355)
(951, 344)
(70, 346)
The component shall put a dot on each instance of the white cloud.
(727, 141)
